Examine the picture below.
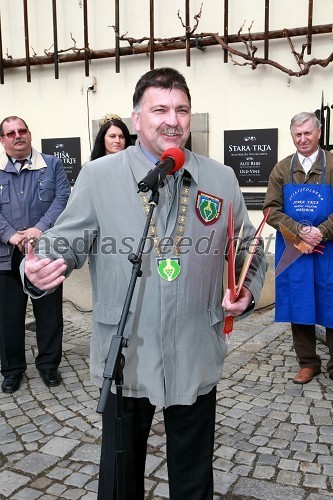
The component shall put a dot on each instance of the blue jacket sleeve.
(62, 192)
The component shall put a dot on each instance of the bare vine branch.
(254, 62)
(62, 51)
(197, 20)
(246, 57)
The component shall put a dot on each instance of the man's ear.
(136, 121)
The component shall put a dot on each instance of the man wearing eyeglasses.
(33, 192)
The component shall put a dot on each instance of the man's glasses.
(12, 133)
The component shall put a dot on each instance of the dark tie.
(21, 162)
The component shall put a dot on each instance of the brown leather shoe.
(305, 375)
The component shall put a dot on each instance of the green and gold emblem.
(208, 208)
(169, 269)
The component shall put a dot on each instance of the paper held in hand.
(231, 255)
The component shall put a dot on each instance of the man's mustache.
(18, 141)
(171, 130)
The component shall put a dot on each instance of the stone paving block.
(225, 452)
(264, 490)
(89, 496)
(289, 477)
(11, 481)
(321, 449)
(32, 436)
(328, 470)
(28, 494)
(77, 479)
(241, 470)
(312, 468)
(223, 482)
(278, 443)
(87, 453)
(322, 420)
(263, 472)
(16, 422)
(56, 489)
(162, 490)
(298, 446)
(265, 450)
(306, 437)
(267, 460)
(285, 464)
(35, 463)
(59, 446)
(72, 494)
(59, 473)
(315, 481)
(152, 463)
(92, 486)
(317, 496)
(162, 473)
(7, 438)
(283, 453)
(223, 464)
(304, 456)
(284, 434)
(90, 469)
(325, 459)
(244, 458)
(259, 440)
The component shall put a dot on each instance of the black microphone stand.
(115, 361)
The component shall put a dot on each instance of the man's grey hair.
(300, 118)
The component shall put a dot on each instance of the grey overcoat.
(176, 349)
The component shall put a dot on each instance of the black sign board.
(252, 154)
(254, 201)
(68, 149)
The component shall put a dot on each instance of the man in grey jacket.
(33, 192)
(176, 347)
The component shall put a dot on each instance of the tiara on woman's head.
(108, 117)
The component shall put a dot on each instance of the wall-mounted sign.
(254, 201)
(252, 154)
(68, 149)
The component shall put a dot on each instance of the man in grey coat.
(176, 344)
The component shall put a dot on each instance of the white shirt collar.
(312, 158)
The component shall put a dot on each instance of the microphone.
(171, 160)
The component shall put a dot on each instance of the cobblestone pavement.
(274, 439)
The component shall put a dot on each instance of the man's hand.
(30, 234)
(44, 274)
(240, 305)
(18, 240)
(311, 235)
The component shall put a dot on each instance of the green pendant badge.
(168, 269)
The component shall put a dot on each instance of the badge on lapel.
(208, 208)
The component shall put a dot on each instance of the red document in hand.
(231, 254)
